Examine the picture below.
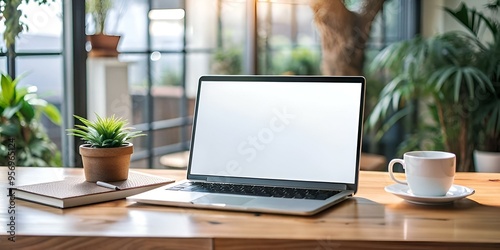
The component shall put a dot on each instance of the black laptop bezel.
(275, 182)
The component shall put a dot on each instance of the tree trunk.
(343, 34)
(455, 123)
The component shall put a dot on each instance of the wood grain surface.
(373, 219)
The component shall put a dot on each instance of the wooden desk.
(372, 219)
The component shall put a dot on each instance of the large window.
(168, 45)
(288, 41)
(38, 56)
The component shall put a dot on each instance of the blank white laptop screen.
(278, 130)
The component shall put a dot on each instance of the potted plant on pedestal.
(106, 154)
(103, 44)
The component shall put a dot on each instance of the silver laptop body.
(271, 132)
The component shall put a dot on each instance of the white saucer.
(456, 192)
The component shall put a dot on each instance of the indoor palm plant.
(434, 81)
(21, 129)
(107, 150)
(486, 108)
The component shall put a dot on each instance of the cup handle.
(391, 173)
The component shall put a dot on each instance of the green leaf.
(20, 94)
(10, 111)
(457, 86)
(10, 130)
(8, 89)
(104, 132)
(469, 83)
(462, 16)
(37, 147)
(397, 116)
(27, 111)
(52, 113)
(484, 82)
(443, 74)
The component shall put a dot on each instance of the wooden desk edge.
(87, 242)
(105, 242)
(223, 243)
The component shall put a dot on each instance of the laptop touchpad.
(219, 200)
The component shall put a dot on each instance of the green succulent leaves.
(107, 132)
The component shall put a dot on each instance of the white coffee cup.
(428, 173)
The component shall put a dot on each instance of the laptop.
(273, 144)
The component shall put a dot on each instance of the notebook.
(276, 144)
(75, 191)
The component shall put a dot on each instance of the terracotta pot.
(106, 164)
(103, 45)
(488, 162)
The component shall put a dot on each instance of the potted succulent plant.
(107, 150)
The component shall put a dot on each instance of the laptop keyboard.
(265, 191)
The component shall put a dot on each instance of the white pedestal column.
(107, 89)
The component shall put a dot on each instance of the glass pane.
(143, 163)
(290, 44)
(130, 21)
(167, 29)
(139, 143)
(166, 69)
(306, 29)
(392, 15)
(138, 82)
(46, 74)
(376, 38)
(233, 24)
(45, 27)
(386, 30)
(281, 29)
(201, 30)
(171, 138)
(137, 69)
(198, 64)
(164, 137)
(167, 102)
(3, 64)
